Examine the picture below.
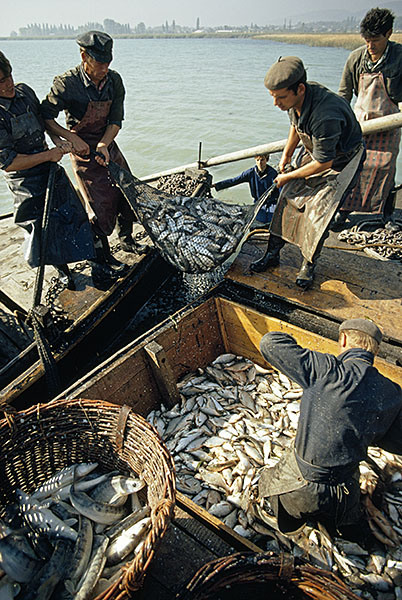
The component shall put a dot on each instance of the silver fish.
(96, 511)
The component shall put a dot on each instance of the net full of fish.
(235, 418)
(71, 536)
(196, 235)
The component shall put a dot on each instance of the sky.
(154, 12)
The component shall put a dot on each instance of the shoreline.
(348, 41)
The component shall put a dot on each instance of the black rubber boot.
(104, 274)
(338, 222)
(116, 265)
(65, 277)
(124, 228)
(271, 256)
(305, 276)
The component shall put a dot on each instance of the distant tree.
(140, 28)
(198, 23)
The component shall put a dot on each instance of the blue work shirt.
(258, 183)
(347, 405)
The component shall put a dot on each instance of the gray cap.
(97, 44)
(285, 72)
(363, 325)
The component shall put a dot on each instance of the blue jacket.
(258, 183)
(347, 405)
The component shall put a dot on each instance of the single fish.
(127, 541)
(96, 511)
(63, 478)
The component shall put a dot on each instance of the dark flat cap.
(285, 72)
(97, 44)
(363, 325)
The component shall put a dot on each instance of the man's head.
(261, 161)
(7, 89)
(96, 54)
(376, 29)
(285, 80)
(360, 333)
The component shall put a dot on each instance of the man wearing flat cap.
(346, 406)
(325, 170)
(92, 97)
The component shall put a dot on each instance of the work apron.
(69, 237)
(294, 498)
(306, 206)
(94, 182)
(378, 174)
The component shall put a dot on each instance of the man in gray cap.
(326, 168)
(92, 97)
(346, 406)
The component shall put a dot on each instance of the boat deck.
(18, 279)
(348, 283)
(193, 539)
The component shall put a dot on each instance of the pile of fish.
(70, 538)
(195, 235)
(180, 184)
(381, 244)
(235, 418)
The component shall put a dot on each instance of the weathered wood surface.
(189, 543)
(347, 284)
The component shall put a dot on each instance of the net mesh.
(196, 235)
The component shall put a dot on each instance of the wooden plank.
(245, 328)
(346, 286)
(163, 373)
(216, 525)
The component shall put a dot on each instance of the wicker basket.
(37, 443)
(262, 576)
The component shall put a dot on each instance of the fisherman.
(326, 170)
(373, 73)
(347, 405)
(92, 97)
(26, 161)
(259, 178)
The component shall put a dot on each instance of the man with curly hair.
(373, 73)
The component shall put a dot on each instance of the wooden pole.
(373, 126)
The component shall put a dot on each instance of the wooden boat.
(92, 317)
(145, 373)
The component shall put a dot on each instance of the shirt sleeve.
(7, 150)
(227, 183)
(56, 100)
(299, 364)
(116, 113)
(346, 86)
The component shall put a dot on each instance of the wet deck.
(18, 279)
(348, 283)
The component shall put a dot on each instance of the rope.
(45, 354)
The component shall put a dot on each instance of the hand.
(102, 149)
(283, 164)
(55, 154)
(65, 146)
(79, 146)
(281, 180)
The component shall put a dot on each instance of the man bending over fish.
(347, 405)
(325, 170)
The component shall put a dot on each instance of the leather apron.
(306, 206)
(378, 175)
(69, 233)
(94, 182)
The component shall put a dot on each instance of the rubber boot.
(338, 222)
(103, 275)
(305, 276)
(271, 256)
(112, 262)
(65, 277)
(124, 231)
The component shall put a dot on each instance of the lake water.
(180, 92)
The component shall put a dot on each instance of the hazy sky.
(154, 12)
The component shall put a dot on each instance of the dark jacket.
(258, 183)
(347, 405)
(391, 68)
(330, 123)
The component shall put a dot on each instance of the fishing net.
(196, 235)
